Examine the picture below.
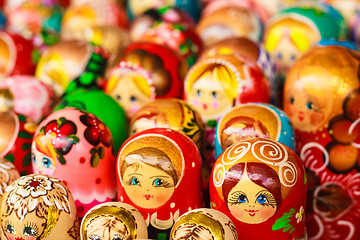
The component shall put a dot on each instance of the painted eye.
(242, 198)
(46, 162)
(158, 182)
(198, 93)
(309, 105)
(33, 157)
(279, 56)
(132, 99)
(292, 100)
(118, 97)
(118, 237)
(293, 57)
(135, 181)
(10, 228)
(214, 94)
(29, 231)
(94, 237)
(261, 199)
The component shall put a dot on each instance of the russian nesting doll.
(148, 71)
(170, 113)
(204, 224)
(113, 221)
(16, 136)
(261, 185)
(8, 174)
(159, 173)
(321, 98)
(28, 96)
(38, 207)
(77, 147)
(253, 120)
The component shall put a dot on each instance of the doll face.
(30, 228)
(138, 8)
(128, 95)
(106, 228)
(147, 186)
(142, 124)
(251, 203)
(306, 112)
(208, 97)
(42, 164)
(284, 54)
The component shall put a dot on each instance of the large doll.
(321, 98)
(159, 172)
(261, 185)
(148, 71)
(38, 207)
(77, 147)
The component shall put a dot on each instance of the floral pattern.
(96, 131)
(299, 215)
(32, 191)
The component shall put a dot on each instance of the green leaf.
(26, 146)
(285, 222)
(27, 160)
(22, 118)
(162, 236)
(42, 130)
(94, 160)
(25, 135)
(10, 157)
(212, 123)
(61, 158)
(61, 120)
(74, 138)
(101, 151)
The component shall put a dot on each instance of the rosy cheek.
(266, 212)
(30, 238)
(134, 108)
(10, 236)
(237, 212)
(215, 104)
(196, 102)
(316, 118)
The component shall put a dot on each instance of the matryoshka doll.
(170, 113)
(91, 13)
(16, 136)
(148, 71)
(170, 14)
(113, 221)
(253, 120)
(28, 96)
(66, 62)
(204, 224)
(38, 207)
(321, 98)
(102, 106)
(16, 55)
(76, 147)
(227, 22)
(8, 174)
(293, 31)
(216, 84)
(159, 173)
(260, 184)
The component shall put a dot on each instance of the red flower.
(96, 131)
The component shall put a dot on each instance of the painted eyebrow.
(160, 176)
(139, 174)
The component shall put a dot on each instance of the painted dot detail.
(80, 209)
(193, 164)
(82, 160)
(121, 198)
(98, 181)
(172, 205)
(65, 182)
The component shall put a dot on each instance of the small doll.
(113, 221)
(204, 224)
(260, 185)
(38, 207)
(159, 173)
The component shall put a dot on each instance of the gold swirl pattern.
(235, 153)
(219, 175)
(275, 154)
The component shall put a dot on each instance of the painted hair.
(155, 158)
(254, 170)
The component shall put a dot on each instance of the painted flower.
(96, 131)
(32, 191)
(299, 215)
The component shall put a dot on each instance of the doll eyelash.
(234, 199)
(270, 198)
(167, 184)
(33, 226)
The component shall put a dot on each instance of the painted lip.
(301, 116)
(204, 106)
(251, 212)
(19, 238)
(148, 196)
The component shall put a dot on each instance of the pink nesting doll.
(261, 185)
(38, 207)
(16, 55)
(16, 136)
(28, 96)
(76, 147)
(148, 71)
(159, 173)
(321, 98)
